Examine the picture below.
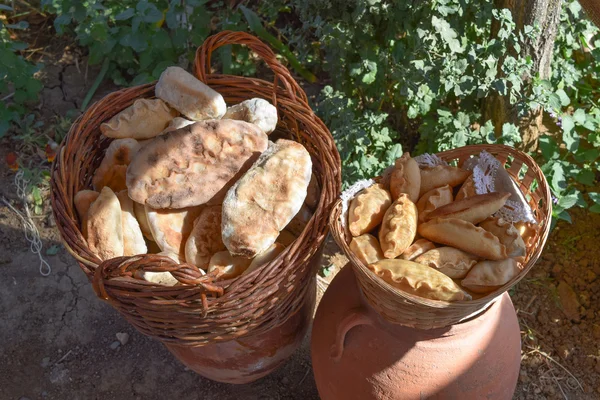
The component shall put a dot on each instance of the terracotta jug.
(356, 354)
(250, 358)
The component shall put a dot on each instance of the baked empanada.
(189, 96)
(205, 238)
(366, 248)
(399, 227)
(113, 167)
(82, 201)
(432, 200)
(419, 280)
(265, 257)
(256, 111)
(406, 178)
(367, 209)
(104, 226)
(487, 276)
(144, 119)
(467, 189)
(464, 236)
(171, 228)
(473, 209)
(419, 247)
(229, 266)
(508, 235)
(441, 175)
(449, 261)
(133, 239)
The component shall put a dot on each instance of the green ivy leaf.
(549, 147)
(569, 200)
(130, 12)
(564, 99)
(595, 197)
(558, 182)
(579, 116)
(447, 33)
(586, 177)
(570, 136)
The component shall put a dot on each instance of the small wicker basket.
(400, 307)
(202, 311)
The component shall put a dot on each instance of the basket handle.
(354, 317)
(282, 74)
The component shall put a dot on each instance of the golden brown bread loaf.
(82, 201)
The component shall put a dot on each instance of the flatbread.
(171, 228)
(144, 119)
(255, 111)
(205, 239)
(82, 201)
(113, 168)
(133, 239)
(104, 226)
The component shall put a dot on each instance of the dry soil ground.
(58, 341)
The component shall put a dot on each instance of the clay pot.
(356, 354)
(250, 358)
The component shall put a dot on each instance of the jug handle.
(354, 317)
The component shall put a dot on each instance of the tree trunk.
(546, 14)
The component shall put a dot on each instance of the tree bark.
(546, 14)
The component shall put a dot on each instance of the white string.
(32, 234)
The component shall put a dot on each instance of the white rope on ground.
(32, 234)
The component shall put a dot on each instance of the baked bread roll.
(464, 236)
(255, 111)
(265, 257)
(229, 266)
(467, 189)
(266, 198)
(487, 276)
(419, 247)
(449, 261)
(113, 167)
(189, 96)
(205, 238)
(434, 199)
(405, 178)
(399, 227)
(194, 165)
(473, 209)
(104, 226)
(139, 211)
(144, 119)
(418, 280)
(366, 248)
(367, 209)
(133, 239)
(82, 201)
(508, 235)
(441, 175)
(171, 228)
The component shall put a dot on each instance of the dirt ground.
(59, 341)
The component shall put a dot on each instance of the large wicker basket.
(400, 307)
(202, 311)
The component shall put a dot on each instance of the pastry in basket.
(227, 265)
(177, 123)
(286, 238)
(171, 228)
(189, 96)
(256, 111)
(473, 209)
(464, 236)
(313, 193)
(298, 223)
(144, 119)
(508, 235)
(265, 257)
(266, 198)
(441, 175)
(449, 261)
(113, 167)
(386, 176)
(419, 280)
(205, 238)
(419, 247)
(367, 209)
(194, 165)
(405, 178)
(434, 199)
(139, 211)
(467, 189)
(104, 226)
(82, 201)
(161, 278)
(366, 248)
(133, 239)
(399, 227)
(487, 276)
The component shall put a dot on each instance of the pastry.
(467, 189)
(508, 235)
(139, 211)
(227, 265)
(367, 209)
(487, 276)
(441, 175)
(144, 119)
(104, 226)
(406, 178)
(255, 111)
(177, 123)
(171, 228)
(194, 165)
(399, 227)
(113, 167)
(264, 201)
(265, 257)
(82, 201)
(133, 239)
(473, 209)
(205, 238)
(449, 261)
(298, 223)
(366, 248)
(432, 200)
(419, 247)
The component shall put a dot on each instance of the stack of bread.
(191, 179)
(426, 231)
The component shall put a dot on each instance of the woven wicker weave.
(403, 308)
(592, 9)
(202, 311)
